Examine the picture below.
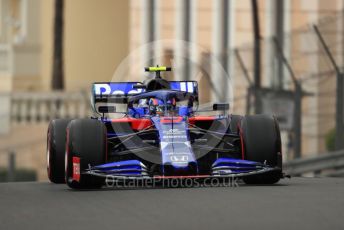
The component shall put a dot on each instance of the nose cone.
(190, 168)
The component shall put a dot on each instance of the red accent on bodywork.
(242, 143)
(192, 120)
(170, 119)
(137, 124)
(76, 168)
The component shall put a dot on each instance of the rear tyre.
(56, 143)
(261, 142)
(86, 145)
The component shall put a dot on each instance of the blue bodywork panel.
(233, 165)
(174, 141)
(129, 167)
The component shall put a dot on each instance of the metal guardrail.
(327, 161)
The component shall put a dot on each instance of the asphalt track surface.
(297, 203)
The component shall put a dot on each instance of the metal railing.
(35, 107)
(326, 164)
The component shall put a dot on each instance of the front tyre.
(261, 142)
(86, 146)
(235, 123)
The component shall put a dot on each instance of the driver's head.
(156, 106)
(171, 105)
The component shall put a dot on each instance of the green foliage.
(330, 140)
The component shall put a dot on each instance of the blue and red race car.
(161, 135)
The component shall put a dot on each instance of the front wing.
(221, 168)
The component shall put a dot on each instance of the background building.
(220, 27)
(95, 42)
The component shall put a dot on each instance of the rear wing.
(119, 92)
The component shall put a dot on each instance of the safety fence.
(301, 83)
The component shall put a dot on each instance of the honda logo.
(178, 158)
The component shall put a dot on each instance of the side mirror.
(220, 106)
(139, 87)
(107, 109)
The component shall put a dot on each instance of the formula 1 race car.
(161, 135)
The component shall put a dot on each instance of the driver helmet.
(171, 105)
(156, 106)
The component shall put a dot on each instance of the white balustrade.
(35, 107)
